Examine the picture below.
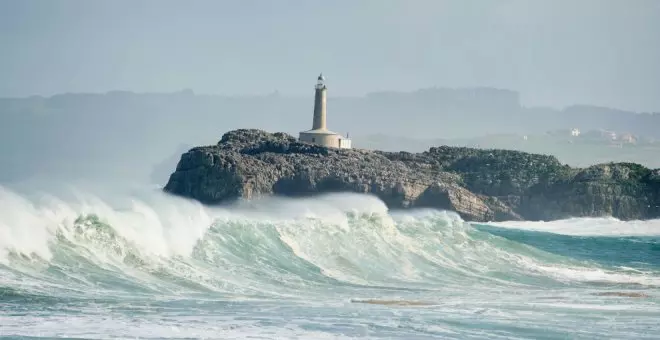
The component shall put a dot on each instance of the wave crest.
(156, 243)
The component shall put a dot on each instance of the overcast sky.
(557, 52)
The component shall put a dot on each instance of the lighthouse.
(319, 134)
(320, 104)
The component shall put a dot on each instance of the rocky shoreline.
(480, 185)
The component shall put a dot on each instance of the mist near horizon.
(555, 53)
(93, 90)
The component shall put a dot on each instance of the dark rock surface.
(481, 185)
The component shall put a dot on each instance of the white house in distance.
(575, 132)
(319, 134)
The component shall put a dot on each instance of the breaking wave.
(277, 246)
(329, 250)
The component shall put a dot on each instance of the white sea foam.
(24, 228)
(164, 226)
(374, 246)
(289, 268)
(588, 227)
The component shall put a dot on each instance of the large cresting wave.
(332, 247)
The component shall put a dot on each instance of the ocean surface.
(147, 265)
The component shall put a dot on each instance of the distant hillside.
(125, 134)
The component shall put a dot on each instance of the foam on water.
(294, 268)
(604, 226)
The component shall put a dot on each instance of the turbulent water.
(340, 266)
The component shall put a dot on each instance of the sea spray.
(589, 226)
(311, 267)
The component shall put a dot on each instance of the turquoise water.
(332, 267)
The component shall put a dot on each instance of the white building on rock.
(319, 134)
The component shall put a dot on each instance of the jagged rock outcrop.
(481, 185)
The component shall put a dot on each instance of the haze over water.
(557, 53)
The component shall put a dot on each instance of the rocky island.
(480, 185)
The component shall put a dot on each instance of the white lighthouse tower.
(319, 134)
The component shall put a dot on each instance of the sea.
(142, 264)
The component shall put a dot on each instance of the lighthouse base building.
(325, 138)
(319, 134)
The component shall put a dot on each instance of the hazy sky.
(554, 52)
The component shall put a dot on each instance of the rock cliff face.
(481, 185)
